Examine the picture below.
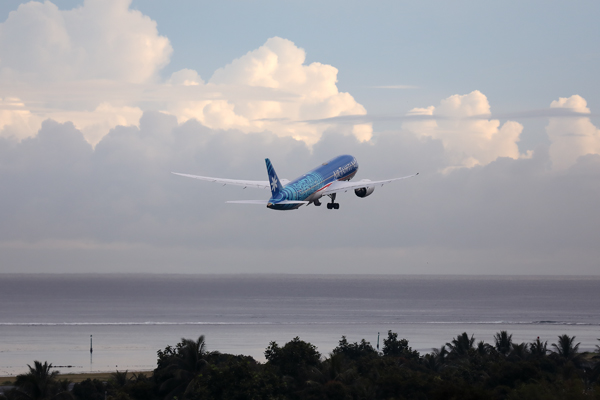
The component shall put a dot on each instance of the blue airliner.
(327, 179)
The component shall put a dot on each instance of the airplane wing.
(234, 182)
(344, 186)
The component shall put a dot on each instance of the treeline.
(460, 369)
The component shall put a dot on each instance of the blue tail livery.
(328, 179)
(273, 179)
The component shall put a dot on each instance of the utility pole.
(377, 341)
(91, 351)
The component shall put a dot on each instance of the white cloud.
(107, 207)
(467, 141)
(102, 39)
(278, 65)
(95, 124)
(185, 77)
(571, 137)
(95, 64)
(103, 58)
(16, 122)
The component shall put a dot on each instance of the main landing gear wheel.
(333, 205)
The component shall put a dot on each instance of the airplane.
(328, 179)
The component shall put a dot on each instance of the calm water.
(51, 317)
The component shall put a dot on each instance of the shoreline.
(80, 377)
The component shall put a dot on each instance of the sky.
(494, 104)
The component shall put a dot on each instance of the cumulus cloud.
(69, 51)
(102, 59)
(68, 206)
(98, 40)
(17, 122)
(572, 137)
(467, 141)
(278, 65)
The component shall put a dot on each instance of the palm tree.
(118, 379)
(436, 360)
(503, 342)
(461, 345)
(440, 354)
(520, 350)
(41, 384)
(565, 350)
(538, 348)
(484, 348)
(185, 367)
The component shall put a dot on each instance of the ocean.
(130, 317)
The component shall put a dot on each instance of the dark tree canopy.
(354, 350)
(460, 369)
(41, 383)
(293, 357)
(397, 348)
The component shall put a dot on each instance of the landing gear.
(333, 205)
(317, 203)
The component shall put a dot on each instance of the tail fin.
(276, 185)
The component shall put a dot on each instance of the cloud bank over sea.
(90, 131)
(69, 206)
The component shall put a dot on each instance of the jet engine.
(365, 191)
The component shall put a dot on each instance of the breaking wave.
(397, 322)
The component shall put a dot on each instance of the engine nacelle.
(364, 192)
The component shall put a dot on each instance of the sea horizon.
(50, 317)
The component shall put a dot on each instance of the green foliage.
(460, 369)
(503, 342)
(393, 347)
(436, 359)
(566, 350)
(355, 350)
(558, 390)
(119, 386)
(89, 390)
(118, 379)
(237, 377)
(40, 383)
(295, 357)
(538, 348)
(461, 345)
(179, 368)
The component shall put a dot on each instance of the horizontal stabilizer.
(265, 202)
(261, 202)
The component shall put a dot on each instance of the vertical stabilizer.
(273, 179)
